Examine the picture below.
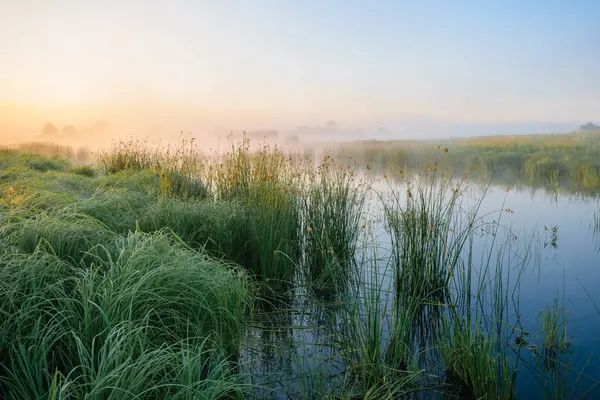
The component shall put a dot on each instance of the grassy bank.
(569, 162)
(168, 273)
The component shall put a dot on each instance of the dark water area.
(550, 256)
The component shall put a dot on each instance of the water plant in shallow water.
(274, 224)
(475, 333)
(429, 228)
(122, 285)
(266, 183)
(333, 204)
(552, 354)
(375, 337)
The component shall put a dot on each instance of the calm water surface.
(291, 340)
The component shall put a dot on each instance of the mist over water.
(217, 139)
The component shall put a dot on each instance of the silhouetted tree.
(49, 130)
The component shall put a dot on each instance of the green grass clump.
(178, 185)
(160, 320)
(43, 164)
(69, 235)
(554, 364)
(333, 207)
(274, 224)
(477, 335)
(178, 169)
(29, 183)
(43, 200)
(143, 181)
(377, 343)
(474, 366)
(267, 183)
(85, 170)
(157, 269)
(123, 156)
(221, 228)
(118, 210)
(429, 230)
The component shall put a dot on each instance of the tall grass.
(221, 228)
(376, 338)
(429, 228)
(133, 282)
(178, 168)
(555, 161)
(274, 222)
(475, 335)
(265, 181)
(159, 320)
(334, 202)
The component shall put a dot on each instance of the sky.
(196, 65)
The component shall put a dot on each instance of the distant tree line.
(589, 127)
(69, 132)
(49, 131)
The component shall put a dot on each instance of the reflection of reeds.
(429, 230)
(376, 338)
(554, 335)
(121, 279)
(333, 201)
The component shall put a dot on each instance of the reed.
(265, 181)
(178, 168)
(429, 227)
(134, 282)
(333, 205)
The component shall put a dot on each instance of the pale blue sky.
(283, 63)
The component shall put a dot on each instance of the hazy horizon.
(378, 69)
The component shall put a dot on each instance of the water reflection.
(317, 341)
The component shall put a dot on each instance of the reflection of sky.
(549, 272)
(563, 271)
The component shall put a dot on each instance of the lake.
(297, 339)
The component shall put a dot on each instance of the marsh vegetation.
(569, 162)
(140, 272)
